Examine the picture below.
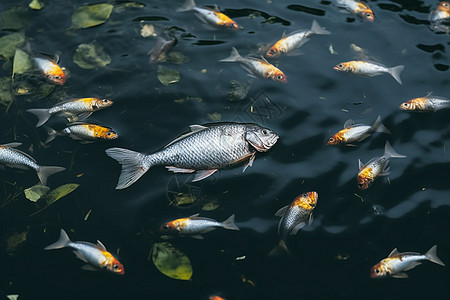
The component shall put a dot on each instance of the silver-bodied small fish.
(161, 47)
(95, 255)
(440, 17)
(84, 132)
(195, 226)
(356, 132)
(293, 218)
(426, 103)
(368, 68)
(256, 67)
(17, 159)
(397, 263)
(81, 108)
(295, 40)
(205, 149)
(212, 17)
(358, 8)
(377, 166)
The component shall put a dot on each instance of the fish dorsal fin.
(393, 252)
(360, 164)
(100, 245)
(12, 145)
(264, 59)
(216, 8)
(428, 94)
(281, 211)
(194, 215)
(348, 123)
(284, 34)
(194, 129)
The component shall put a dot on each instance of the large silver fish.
(17, 159)
(205, 149)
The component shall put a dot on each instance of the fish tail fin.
(432, 256)
(133, 166)
(52, 133)
(378, 126)
(389, 152)
(395, 72)
(188, 5)
(41, 113)
(62, 242)
(234, 56)
(229, 223)
(279, 249)
(317, 29)
(45, 171)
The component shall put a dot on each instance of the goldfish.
(95, 255)
(440, 17)
(358, 8)
(209, 16)
(195, 226)
(294, 217)
(205, 149)
(356, 132)
(295, 40)
(161, 47)
(81, 108)
(52, 72)
(378, 166)
(367, 68)
(256, 67)
(397, 263)
(426, 103)
(85, 132)
(17, 159)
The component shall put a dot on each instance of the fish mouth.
(264, 146)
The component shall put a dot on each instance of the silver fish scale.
(293, 216)
(212, 148)
(70, 106)
(200, 225)
(436, 103)
(13, 157)
(89, 251)
(79, 131)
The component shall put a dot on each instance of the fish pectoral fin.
(12, 145)
(294, 52)
(194, 215)
(386, 171)
(90, 268)
(80, 255)
(281, 211)
(393, 252)
(360, 164)
(179, 170)
(83, 116)
(297, 228)
(250, 162)
(348, 123)
(413, 265)
(400, 275)
(311, 218)
(100, 245)
(202, 174)
(197, 236)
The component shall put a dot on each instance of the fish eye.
(109, 133)
(304, 195)
(445, 4)
(166, 227)
(331, 139)
(405, 104)
(280, 77)
(116, 267)
(368, 15)
(340, 65)
(57, 77)
(264, 131)
(105, 100)
(377, 271)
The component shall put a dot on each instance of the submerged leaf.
(171, 262)
(212, 205)
(15, 240)
(90, 56)
(239, 90)
(183, 199)
(35, 192)
(168, 76)
(14, 18)
(175, 57)
(91, 15)
(22, 62)
(9, 43)
(36, 4)
(6, 94)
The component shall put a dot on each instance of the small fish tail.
(45, 171)
(52, 133)
(395, 72)
(229, 223)
(187, 6)
(378, 126)
(62, 242)
(279, 249)
(132, 165)
(389, 152)
(234, 56)
(317, 29)
(41, 113)
(432, 256)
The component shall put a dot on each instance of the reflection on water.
(352, 229)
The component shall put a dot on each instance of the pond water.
(352, 229)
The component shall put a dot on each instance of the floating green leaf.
(6, 94)
(22, 62)
(171, 262)
(35, 192)
(57, 194)
(91, 15)
(168, 76)
(9, 43)
(14, 18)
(14, 241)
(90, 56)
(36, 5)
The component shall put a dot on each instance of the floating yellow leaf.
(168, 76)
(171, 262)
(90, 56)
(9, 43)
(35, 192)
(91, 15)
(36, 5)
(183, 199)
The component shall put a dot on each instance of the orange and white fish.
(356, 132)
(397, 263)
(209, 16)
(358, 8)
(426, 103)
(95, 255)
(195, 226)
(295, 40)
(378, 166)
(293, 217)
(52, 72)
(256, 67)
(368, 68)
(84, 132)
(81, 108)
(442, 12)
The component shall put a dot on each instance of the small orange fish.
(441, 13)
(52, 71)
(85, 132)
(209, 16)
(214, 297)
(358, 8)
(368, 68)
(426, 103)
(96, 256)
(256, 67)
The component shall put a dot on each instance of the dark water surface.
(352, 229)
